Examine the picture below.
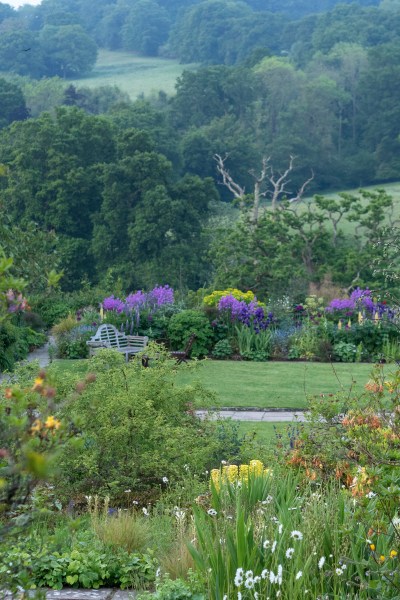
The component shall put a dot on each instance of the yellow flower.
(381, 558)
(39, 381)
(393, 554)
(36, 426)
(256, 467)
(244, 472)
(232, 473)
(372, 546)
(216, 478)
(52, 423)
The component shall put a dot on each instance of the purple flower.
(112, 303)
(161, 295)
(340, 304)
(136, 299)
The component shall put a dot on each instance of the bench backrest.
(111, 336)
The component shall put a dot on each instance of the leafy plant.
(222, 349)
(183, 324)
(345, 351)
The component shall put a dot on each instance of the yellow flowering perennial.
(233, 473)
(215, 297)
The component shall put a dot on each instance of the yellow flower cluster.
(50, 423)
(215, 297)
(233, 473)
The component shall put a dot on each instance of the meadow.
(135, 75)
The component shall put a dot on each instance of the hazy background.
(17, 3)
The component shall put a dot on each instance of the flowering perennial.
(237, 475)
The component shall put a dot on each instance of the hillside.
(133, 74)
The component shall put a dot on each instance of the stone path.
(267, 416)
(73, 594)
(40, 354)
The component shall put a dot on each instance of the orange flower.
(8, 393)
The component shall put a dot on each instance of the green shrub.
(137, 426)
(345, 352)
(222, 349)
(183, 324)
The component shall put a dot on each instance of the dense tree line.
(60, 37)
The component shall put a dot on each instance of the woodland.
(139, 189)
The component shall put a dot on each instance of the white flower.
(239, 577)
(289, 552)
(299, 574)
(272, 578)
(223, 462)
(212, 512)
(264, 574)
(165, 479)
(248, 574)
(249, 583)
(321, 562)
(158, 572)
(267, 500)
(179, 514)
(339, 571)
(257, 579)
(186, 467)
(266, 544)
(280, 571)
(296, 535)
(128, 491)
(273, 547)
(225, 597)
(280, 528)
(239, 596)
(145, 511)
(255, 595)
(370, 495)
(135, 502)
(396, 521)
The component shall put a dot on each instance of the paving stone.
(124, 595)
(72, 594)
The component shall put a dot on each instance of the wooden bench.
(107, 336)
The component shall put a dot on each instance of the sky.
(16, 3)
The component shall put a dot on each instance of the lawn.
(134, 74)
(276, 384)
(264, 384)
(267, 432)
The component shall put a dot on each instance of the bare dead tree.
(278, 183)
(237, 191)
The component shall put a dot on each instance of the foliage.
(85, 563)
(222, 349)
(152, 414)
(259, 535)
(177, 589)
(183, 324)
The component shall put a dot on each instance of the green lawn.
(134, 74)
(263, 384)
(276, 384)
(268, 432)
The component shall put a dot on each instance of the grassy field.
(133, 74)
(276, 384)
